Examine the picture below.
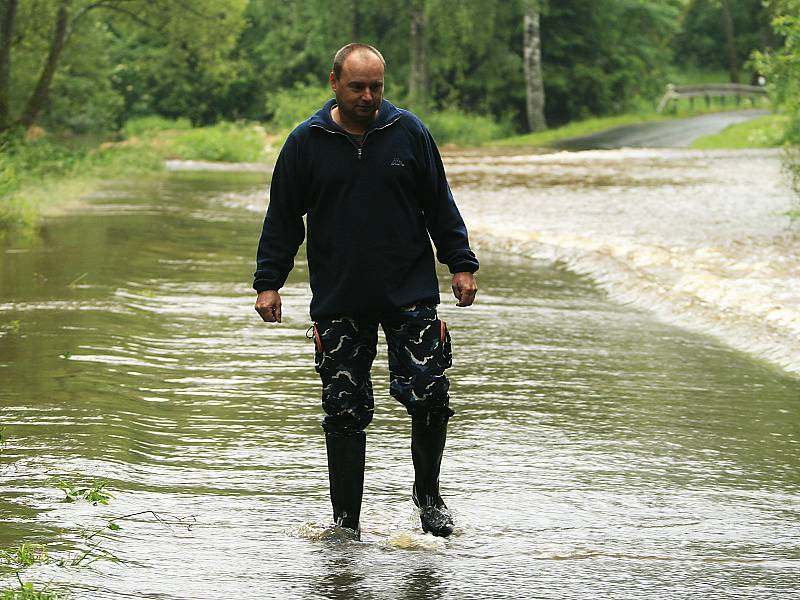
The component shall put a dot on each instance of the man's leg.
(345, 349)
(419, 353)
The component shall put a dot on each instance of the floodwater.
(607, 443)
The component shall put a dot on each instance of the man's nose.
(367, 95)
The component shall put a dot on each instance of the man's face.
(359, 89)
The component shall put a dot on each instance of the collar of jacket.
(387, 114)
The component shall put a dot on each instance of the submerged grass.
(27, 591)
(41, 174)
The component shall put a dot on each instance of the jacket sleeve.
(283, 229)
(444, 222)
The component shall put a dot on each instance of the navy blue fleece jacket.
(370, 211)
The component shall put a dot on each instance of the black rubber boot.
(427, 446)
(346, 474)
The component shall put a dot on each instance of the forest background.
(476, 71)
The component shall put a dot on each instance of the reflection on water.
(596, 452)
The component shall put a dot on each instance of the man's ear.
(332, 79)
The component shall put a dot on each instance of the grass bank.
(762, 132)
(42, 174)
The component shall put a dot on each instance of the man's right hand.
(268, 305)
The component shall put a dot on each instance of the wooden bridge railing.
(709, 91)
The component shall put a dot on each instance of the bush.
(290, 107)
(147, 126)
(451, 126)
(229, 142)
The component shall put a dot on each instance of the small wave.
(716, 254)
(403, 539)
(314, 531)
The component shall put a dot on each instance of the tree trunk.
(39, 97)
(418, 77)
(532, 59)
(730, 41)
(355, 23)
(8, 10)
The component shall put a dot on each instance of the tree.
(418, 76)
(8, 13)
(715, 35)
(730, 40)
(194, 32)
(532, 59)
(780, 67)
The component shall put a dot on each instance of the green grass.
(227, 142)
(26, 591)
(695, 76)
(54, 172)
(761, 132)
(151, 126)
(39, 175)
(25, 555)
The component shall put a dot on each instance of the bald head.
(360, 52)
(357, 82)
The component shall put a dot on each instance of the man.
(370, 180)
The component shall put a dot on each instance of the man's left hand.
(464, 288)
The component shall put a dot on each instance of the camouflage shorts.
(419, 353)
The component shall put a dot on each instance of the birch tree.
(532, 61)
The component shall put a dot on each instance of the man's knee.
(423, 393)
(347, 422)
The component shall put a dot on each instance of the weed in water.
(27, 591)
(25, 555)
(95, 494)
(74, 283)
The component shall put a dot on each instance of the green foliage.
(291, 106)
(231, 142)
(27, 591)
(25, 555)
(783, 76)
(177, 59)
(762, 132)
(212, 60)
(94, 494)
(453, 126)
(37, 172)
(152, 125)
(700, 41)
(600, 57)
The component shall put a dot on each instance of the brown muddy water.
(599, 450)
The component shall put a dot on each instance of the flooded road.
(673, 133)
(597, 450)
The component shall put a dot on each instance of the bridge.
(709, 91)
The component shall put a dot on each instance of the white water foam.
(700, 238)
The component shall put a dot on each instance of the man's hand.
(464, 288)
(268, 305)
